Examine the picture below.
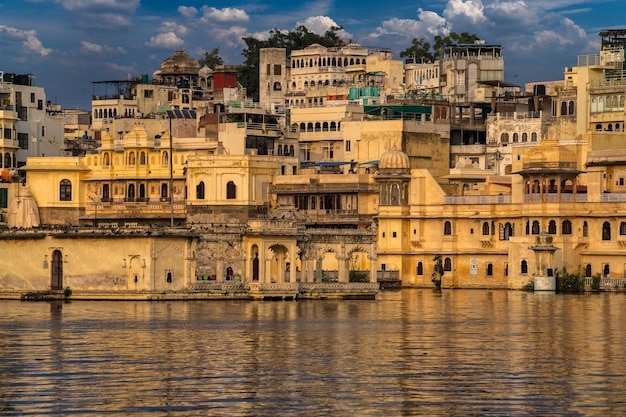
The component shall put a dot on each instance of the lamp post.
(171, 158)
(95, 199)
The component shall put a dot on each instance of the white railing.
(477, 199)
(613, 197)
(607, 282)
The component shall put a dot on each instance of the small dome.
(179, 63)
(394, 159)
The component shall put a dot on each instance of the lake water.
(411, 352)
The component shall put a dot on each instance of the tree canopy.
(421, 50)
(211, 59)
(300, 38)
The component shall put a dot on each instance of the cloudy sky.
(68, 44)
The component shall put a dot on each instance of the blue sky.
(68, 44)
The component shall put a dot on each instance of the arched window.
(291, 150)
(536, 228)
(563, 108)
(447, 264)
(524, 266)
(622, 228)
(533, 137)
(585, 229)
(504, 138)
(485, 229)
(131, 192)
(571, 108)
(515, 137)
(231, 190)
(489, 269)
(106, 159)
(142, 158)
(588, 270)
(566, 227)
(420, 268)
(200, 190)
(524, 137)
(447, 228)
(65, 190)
(552, 227)
(506, 231)
(105, 192)
(606, 231)
(131, 158)
(164, 192)
(165, 159)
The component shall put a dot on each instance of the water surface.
(412, 352)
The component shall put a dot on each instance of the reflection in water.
(413, 352)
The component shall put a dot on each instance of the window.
(489, 269)
(524, 266)
(447, 228)
(22, 139)
(394, 234)
(231, 190)
(552, 227)
(4, 198)
(506, 231)
(622, 228)
(485, 229)
(524, 137)
(515, 137)
(588, 270)
(606, 269)
(169, 276)
(131, 192)
(200, 191)
(65, 190)
(420, 268)
(606, 231)
(504, 138)
(142, 158)
(164, 192)
(447, 264)
(585, 229)
(277, 69)
(566, 227)
(536, 228)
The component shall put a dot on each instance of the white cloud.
(98, 49)
(29, 39)
(322, 24)
(171, 26)
(167, 40)
(227, 14)
(187, 11)
(426, 26)
(126, 6)
(466, 10)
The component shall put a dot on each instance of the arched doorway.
(57, 271)
(255, 263)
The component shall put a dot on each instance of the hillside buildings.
(354, 168)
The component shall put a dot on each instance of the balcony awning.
(323, 164)
(374, 162)
(400, 108)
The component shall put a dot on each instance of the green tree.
(211, 59)
(420, 50)
(300, 38)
